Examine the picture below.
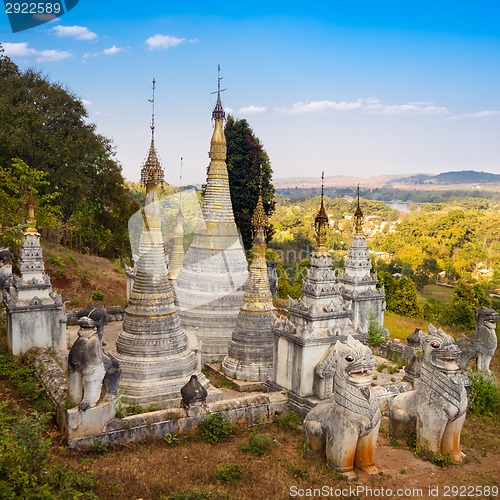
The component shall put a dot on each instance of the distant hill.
(457, 177)
(336, 181)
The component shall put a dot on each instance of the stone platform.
(241, 385)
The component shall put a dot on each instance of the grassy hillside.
(76, 276)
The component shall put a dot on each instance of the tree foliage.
(245, 155)
(45, 126)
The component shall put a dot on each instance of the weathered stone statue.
(5, 267)
(436, 407)
(193, 392)
(346, 427)
(483, 344)
(91, 372)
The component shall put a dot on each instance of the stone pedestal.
(36, 316)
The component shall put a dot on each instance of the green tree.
(17, 181)
(45, 125)
(245, 154)
(404, 300)
(460, 311)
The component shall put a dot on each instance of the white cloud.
(489, 113)
(252, 109)
(320, 106)
(166, 41)
(22, 49)
(112, 51)
(229, 110)
(86, 102)
(52, 55)
(374, 105)
(78, 32)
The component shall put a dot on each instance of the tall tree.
(45, 125)
(245, 154)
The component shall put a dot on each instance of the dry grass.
(400, 326)
(442, 293)
(76, 276)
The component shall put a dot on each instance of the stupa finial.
(30, 220)
(358, 217)
(152, 172)
(218, 113)
(321, 220)
(152, 101)
(259, 218)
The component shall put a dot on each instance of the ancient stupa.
(250, 354)
(317, 320)
(360, 286)
(210, 286)
(36, 316)
(152, 348)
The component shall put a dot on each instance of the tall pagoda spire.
(152, 349)
(152, 171)
(358, 218)
(209, 288)
(321, 221)
(250, 353)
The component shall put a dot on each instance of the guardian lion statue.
(345, 428)
(483, 344)
(436, 407)
(92, 373)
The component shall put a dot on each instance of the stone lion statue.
(345, 428)
(483, 344)
(92, 373)
(436, 407)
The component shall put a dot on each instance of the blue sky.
(352, 88)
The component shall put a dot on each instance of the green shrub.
(376, 334)
(298, 471)
(258, 444)
(216, 427)
(55, 259)
(97, 295)
(287, 420)
(484, 397)
(228, 472)
(24, 468)
(133, 409)
(171, 439)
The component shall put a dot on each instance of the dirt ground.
(149, 470)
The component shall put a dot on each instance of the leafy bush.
(193, 494)
(298, 471)
(484, 397)
(24, 468)
(258, 444)
(97, 295)
(376, 334)
(228, 472)
(216, 427)
(287, 420)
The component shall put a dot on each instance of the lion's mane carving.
(436, 407)
(345, 428)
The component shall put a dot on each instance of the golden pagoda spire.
(218, 141)
(31, 221)
(152, 172)
(358, 218)
(321, 221)
(259, 218)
